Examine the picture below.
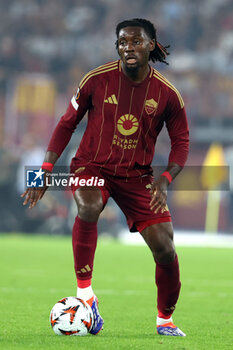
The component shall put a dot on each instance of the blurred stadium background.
(45, 49)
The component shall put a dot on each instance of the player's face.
(134, 47)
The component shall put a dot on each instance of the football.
(71, 316)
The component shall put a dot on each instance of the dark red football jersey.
(124, 121)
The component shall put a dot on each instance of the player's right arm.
(61, 136)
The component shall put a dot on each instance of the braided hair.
(160, 52)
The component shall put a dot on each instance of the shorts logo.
(148, 186)
(127, 124)
(79, 170)
(151, 106)
(35, 178)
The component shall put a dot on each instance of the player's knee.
(89, 203)
(159, 238)
(164, 250)
(90, 211)
(165, 256)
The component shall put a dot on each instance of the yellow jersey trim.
(166, 82)
(101, 69)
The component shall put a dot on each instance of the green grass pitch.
(37, 271)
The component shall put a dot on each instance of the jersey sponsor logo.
(125, 143)
(151, 106)
(127, 124)
(112, 99)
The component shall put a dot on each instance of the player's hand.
(159, 195)
(33, 195)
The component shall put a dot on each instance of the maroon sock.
(168, 284)
(84, 240)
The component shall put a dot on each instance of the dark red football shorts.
(132, 195)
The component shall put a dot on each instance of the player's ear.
(152, 45)
(116, 46)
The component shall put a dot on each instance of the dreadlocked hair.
(160, 52)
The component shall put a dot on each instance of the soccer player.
(128, 102)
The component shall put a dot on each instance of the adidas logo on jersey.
(112, 99)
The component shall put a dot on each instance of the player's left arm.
(177, 126)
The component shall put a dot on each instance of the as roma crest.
(151, 106)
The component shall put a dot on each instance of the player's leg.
(159, 238)
(84, 238)
(89, 202)
(133, 197)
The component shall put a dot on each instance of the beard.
(132, 70)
